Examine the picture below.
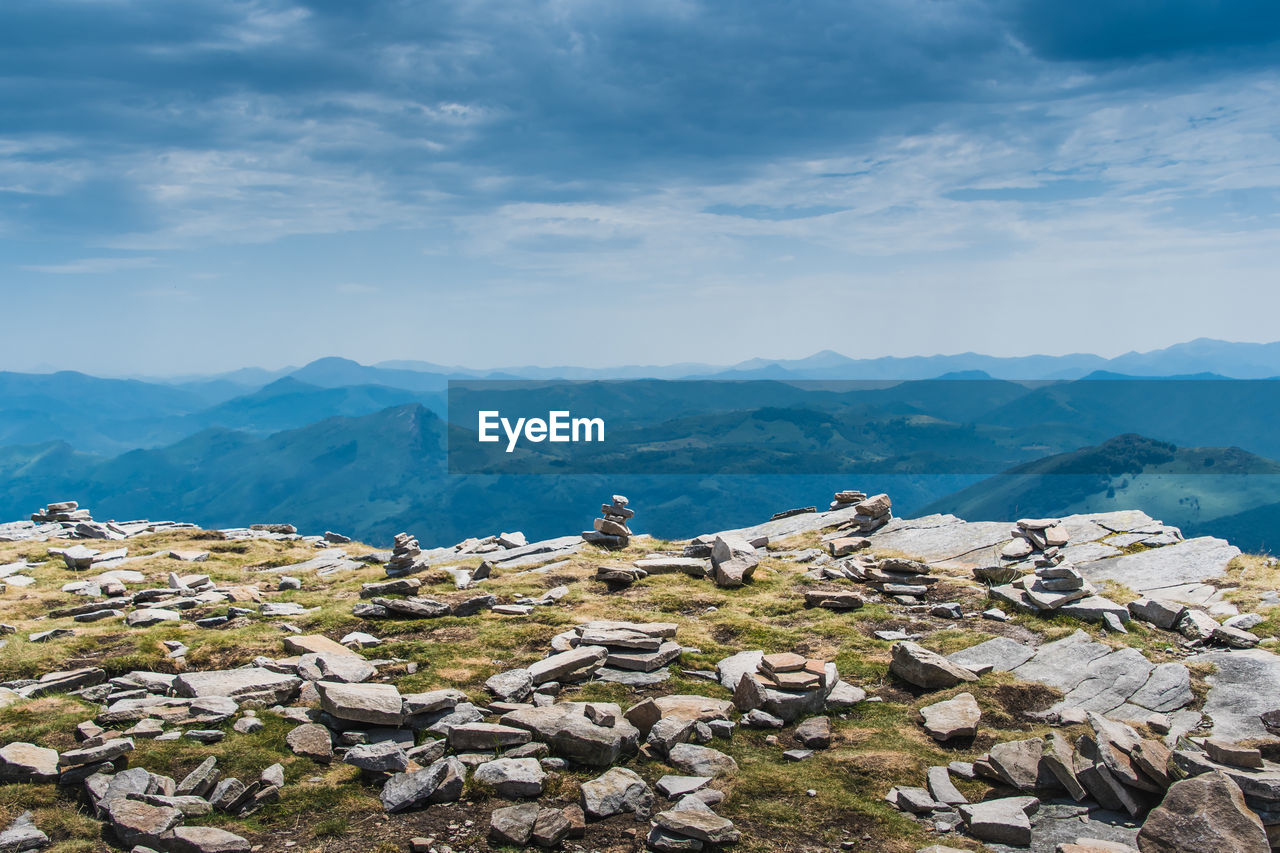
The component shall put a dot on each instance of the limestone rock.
(618, 790)
(697, 760)
(956, 717)
(917, 665)
(1203, 813)
(311, 740)
(512, 777)
(377, 704)
(1004, 821)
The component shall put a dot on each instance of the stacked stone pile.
(772, 690)
(904, 581)
(66, 520)
(1037, 541)
(405, 556)
(847, 498)
(871, 513)
(62, 511)
(611, 530)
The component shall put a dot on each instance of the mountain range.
(363, 448)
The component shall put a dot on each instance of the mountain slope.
(1189, 487)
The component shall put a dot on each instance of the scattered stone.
(955, 718)
(917, 665)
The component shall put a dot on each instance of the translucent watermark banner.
(1095, 427)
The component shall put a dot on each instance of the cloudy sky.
(209, 184)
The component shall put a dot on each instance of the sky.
(206, 185)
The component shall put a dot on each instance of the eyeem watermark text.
(558, 427)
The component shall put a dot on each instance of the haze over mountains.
(361, 448)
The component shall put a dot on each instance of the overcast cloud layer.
(208, 184)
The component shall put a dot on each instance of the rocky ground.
(824, 680)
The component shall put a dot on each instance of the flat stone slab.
(1109, 681)
(1153, 571)
(1245, 685)
(945, 540)
(1062, 663)
(1000, 653)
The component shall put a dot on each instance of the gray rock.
(694, 760)
(942, 789)
(814, 733)
(1017, 763)
(405, 790)
(1004, 821)
(135, 822)
(513, 824)
(311, 740)
(1207, 812)
(26, 762)
(514, 685)
(22, 835)
(1190, 561)
(1243, 686)
(270, 688)
(956, 717)
(617, 791)
(1156, 611)
(917, 665)
(705, 826)
(378, 704)
(205, 839)
(1109, 681)
(385, 757)
(565, 728)
(471, 737)
(572, 665)
(675, 787)
(512, 777)
(201, 780)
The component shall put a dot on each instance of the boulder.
(512, 777)
(1205, 812)
(256, 683)
(618, 790)
(514, 685)
(311, 740)
(385, 757)
(1017, 762)
(23, 835)
(695, 760)
(564, 727)
(1157, 611)
(705, 826)
(814, 733)
(406, 790)
(917, 665)
(136, 822)
(1003, 821)
(573, 665)
(26, 762)
(953, 718)
(376, 704)
(513, 824)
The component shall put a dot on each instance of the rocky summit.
(835, 680)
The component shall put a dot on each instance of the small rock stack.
(775, 689)
(404, 556)
(61, 511)
(871, 514)
(846, 499)
(611, 531)
(906, 581)
(1037, 541)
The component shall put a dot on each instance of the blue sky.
(205, 185)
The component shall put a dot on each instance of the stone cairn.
(611, 531)
(62, 511)
(404, 556)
